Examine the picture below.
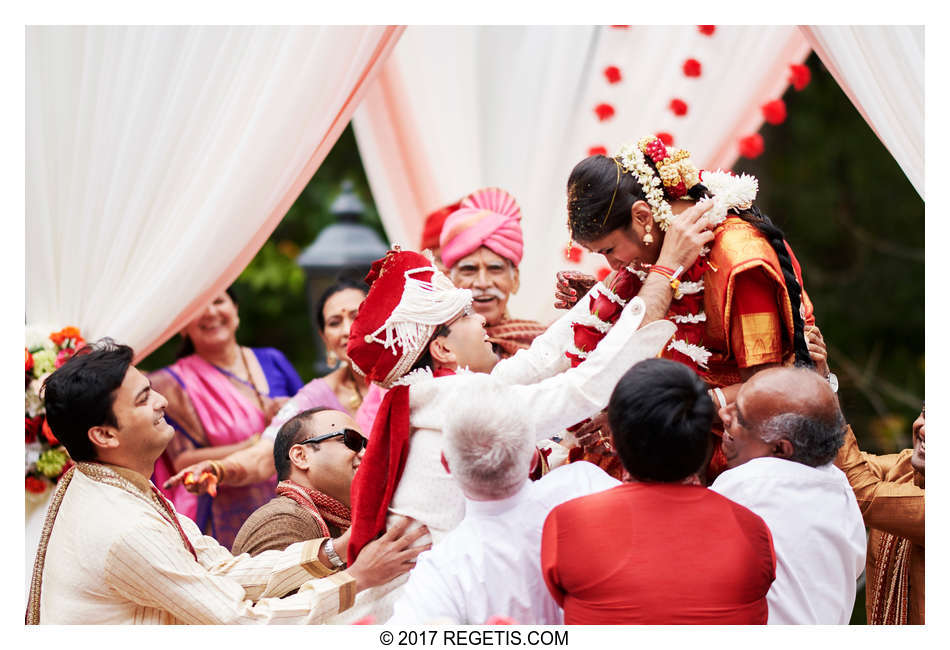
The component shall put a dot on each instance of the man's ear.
(783, 448)
(640, 213)
(445, 463)
(517, 279)
(103, 437)
(442, 353)
(299, 458)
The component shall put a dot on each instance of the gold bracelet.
(218, 470)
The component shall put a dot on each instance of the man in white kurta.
(490, 564)
(781, 435)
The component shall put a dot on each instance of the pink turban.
(488, 217)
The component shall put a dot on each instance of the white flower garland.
(633, 160)
(697, 353)
(690, 318)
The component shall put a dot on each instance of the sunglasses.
(353, 440)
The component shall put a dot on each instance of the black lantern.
(344, 244)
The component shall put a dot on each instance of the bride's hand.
(570, 287)
(686, 236)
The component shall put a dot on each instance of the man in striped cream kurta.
(113, 550)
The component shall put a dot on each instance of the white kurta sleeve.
(569, 397)
(545, 357)
(268, 574)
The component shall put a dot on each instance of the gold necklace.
(356, 399)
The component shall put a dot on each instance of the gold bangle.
(218, 470)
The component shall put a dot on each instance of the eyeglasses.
(352, 439)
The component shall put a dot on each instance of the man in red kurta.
(661, 548)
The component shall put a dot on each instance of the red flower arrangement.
(800, 76)
(707, 30)
(774, 111)
(602, 273)
(692, 68)
(751, 146)
(679, 107)
(612, 73)
(599, 149)
(665, 138)
(46, 458)
(35, 485)
(604, 111)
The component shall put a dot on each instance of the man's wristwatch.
(832, 381)
(331, 554)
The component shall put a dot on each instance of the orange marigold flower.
(63, 334)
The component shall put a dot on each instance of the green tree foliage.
(856, 225)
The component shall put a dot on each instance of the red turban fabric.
(433, 226)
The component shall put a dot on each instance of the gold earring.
(332, 359)
(648, 238)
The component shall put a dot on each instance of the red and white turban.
(489, 217)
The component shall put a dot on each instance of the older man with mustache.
(481, 246)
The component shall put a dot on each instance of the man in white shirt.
(489, 565)
(781, 436)
(114, 551)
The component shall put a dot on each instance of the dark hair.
(425, 359)
(661, 418)
(342, 283)
(187, 348)
(289, 434)
(816, 440)
(81, 393)
(591, 188)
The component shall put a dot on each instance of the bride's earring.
(648, 238)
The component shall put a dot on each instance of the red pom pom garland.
(604, 112)
(692, 68)
(679, 107)
(774, 111)
(612, 73)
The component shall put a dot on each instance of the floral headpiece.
(677, 175)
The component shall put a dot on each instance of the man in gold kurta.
(890, 493)
(114, 551)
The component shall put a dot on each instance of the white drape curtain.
(455, 109)
(159, 159)
(881, 69)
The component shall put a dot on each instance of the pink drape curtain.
(455, 109)
(159, 159)
(881, 70)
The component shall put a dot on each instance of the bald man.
(781, 436)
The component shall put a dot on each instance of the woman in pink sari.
(221, 396)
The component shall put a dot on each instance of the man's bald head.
(785, 412)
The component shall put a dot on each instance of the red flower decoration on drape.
(800, 76)
(774, 111)
(692, 68)
(29, 360)
(573, 253)
(707, 30)
(621, 26)
(604, 111)
(679, 107)
(612, 73)
(665, 138)
(33, 426)
(593, 151)
(751, 146)
(602, 273)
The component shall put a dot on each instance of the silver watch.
(331, 554)
(832, 381)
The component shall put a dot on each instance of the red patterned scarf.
(323, 507)
(512, 335)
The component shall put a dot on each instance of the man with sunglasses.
(316, 454)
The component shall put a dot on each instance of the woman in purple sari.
(221, 396)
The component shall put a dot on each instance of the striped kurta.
(113, 558)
